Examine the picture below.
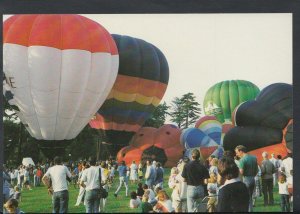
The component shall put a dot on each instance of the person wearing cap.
(267, 171)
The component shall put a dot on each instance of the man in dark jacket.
(194, 174)
(267, 170)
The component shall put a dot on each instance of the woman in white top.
(174, 184)
(133, 172)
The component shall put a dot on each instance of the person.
(267, 171)
(174, 184)
(140, 191)
(122, 169)
(133, 172)
(257, 189)
(164, 203)
(150, 174)
(212, 188)
(91, 180)
(151, 195)
(182, 205)
(134, 201)
(27, 179)
(34, 177)
(287, 169)
(39, 175)
(213, 166)
(12, 207)
(233, 195)
(6, 185)
(194, 174)
(58, 188)
(146, 207)
(248, 169)
(81, 193)
(17, 194)
(279, 161)
(104, 182)
(275, 162)
(284, 193)
(159, 179)
(140, 172)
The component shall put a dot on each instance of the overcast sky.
(204, 49)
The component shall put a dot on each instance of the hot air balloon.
(222, 98)
(60, 69)
(207, 136)
(264, 124)
(140, 85)
(160, 144)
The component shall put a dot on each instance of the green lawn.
(38, 201)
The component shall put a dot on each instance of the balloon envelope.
(263, 124)
(160, 144)
(140, 85)
(60, 69)
(222, 98)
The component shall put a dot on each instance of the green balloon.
(222, 98)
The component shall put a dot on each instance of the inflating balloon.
(140, 85)
(222, 98)
(60, 69)
(207, 137)
(149, 143)
(264, 124)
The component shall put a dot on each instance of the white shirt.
(91, 177)
(134, 203)
(283, 188)
(287, 164)
(58, 175)
(151, 196)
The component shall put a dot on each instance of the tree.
(158, 117)
(190, 108)
(177, 113)
(185, 110)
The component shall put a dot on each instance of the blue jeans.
(150, 182)
(195, 194)
(92, 201)
(285, 203)
(60, 201)
(250, 183)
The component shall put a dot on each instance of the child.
(140, 191)
(140, 172)
(146, 207)
(212, 193)
(284, 193)
(17, 194)
(174, 184)
(164, 204)
(257, 187)
(11, 206)
(134, 201)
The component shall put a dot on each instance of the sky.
(204, 49)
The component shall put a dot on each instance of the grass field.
(38, 201)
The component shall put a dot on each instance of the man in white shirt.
(58, 175)
(90, 180)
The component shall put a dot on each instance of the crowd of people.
(228, 184)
